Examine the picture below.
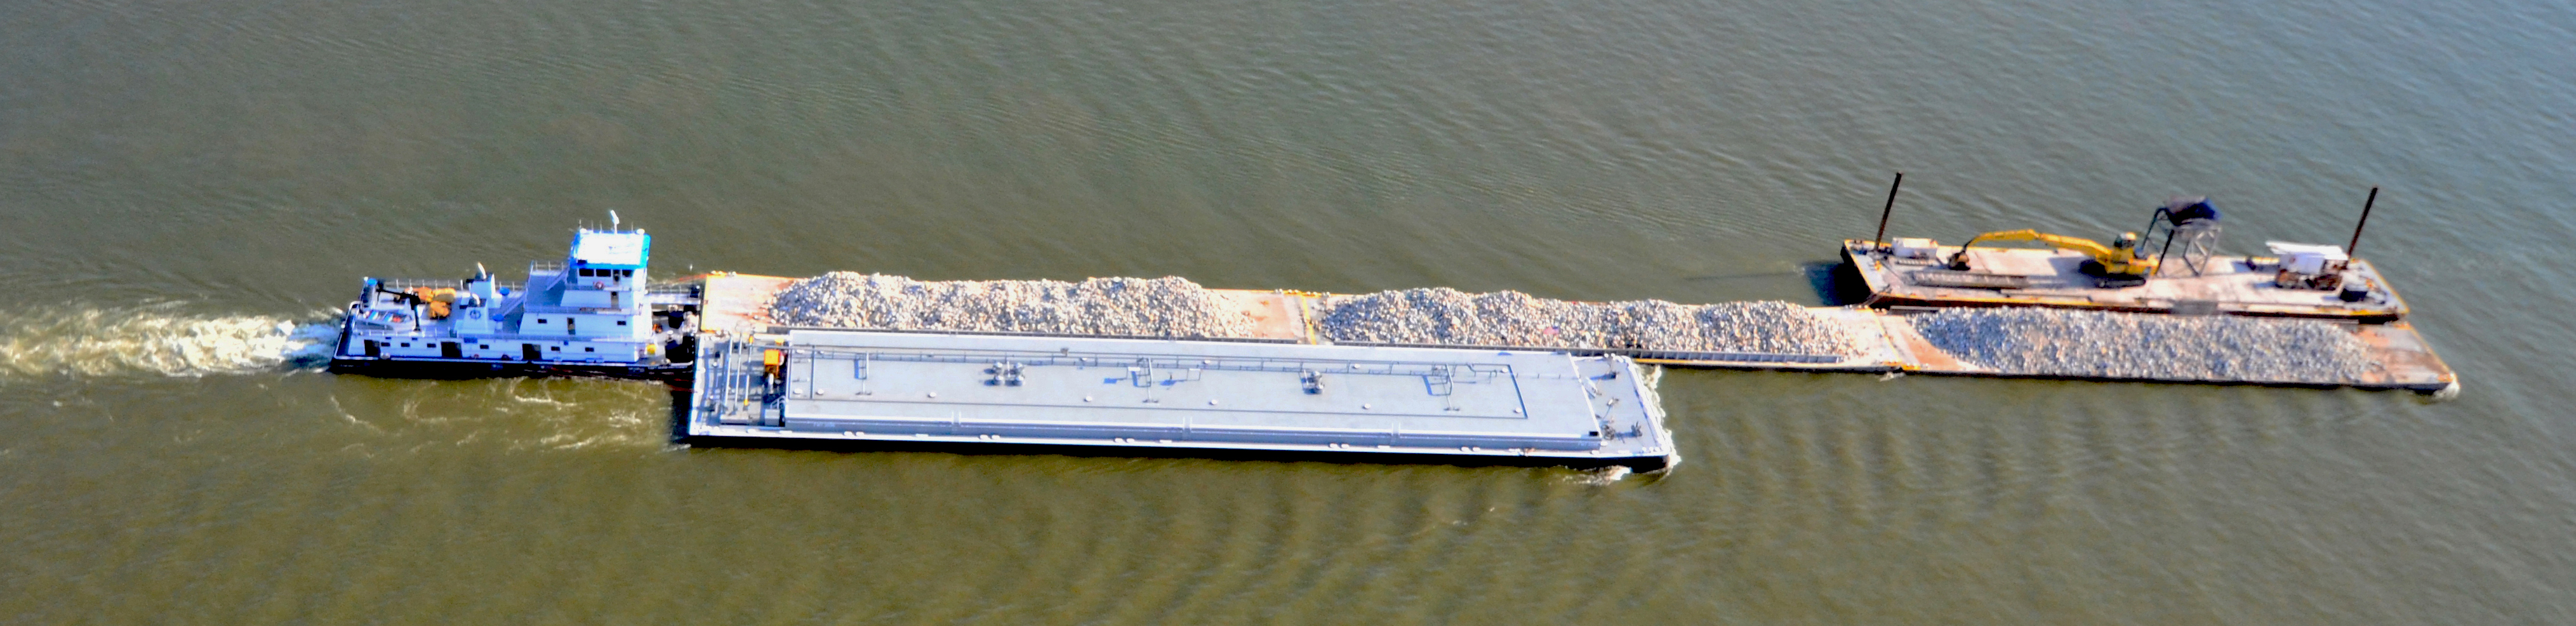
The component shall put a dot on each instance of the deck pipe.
(2365, 221)
(1879, 241)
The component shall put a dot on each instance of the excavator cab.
(2125, 268)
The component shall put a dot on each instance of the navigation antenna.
(612, 219)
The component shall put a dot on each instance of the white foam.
(1603, 476)
(161, 339)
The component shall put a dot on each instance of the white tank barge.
(1141, 397)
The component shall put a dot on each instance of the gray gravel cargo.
(1117, 307)
(2058, 342)
(1443, 316)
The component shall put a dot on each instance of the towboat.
(593, 313)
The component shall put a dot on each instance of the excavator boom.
(2087, 246)
(2118, 265)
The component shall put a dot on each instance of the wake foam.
(1604, 476)
(160, 339)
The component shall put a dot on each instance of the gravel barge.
(1988, 342)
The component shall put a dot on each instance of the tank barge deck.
(1132, 397)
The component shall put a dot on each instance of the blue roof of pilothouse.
(624, 250)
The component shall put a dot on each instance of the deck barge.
(1135, 397)
(2224, 285)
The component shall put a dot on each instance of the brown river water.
(186, 186)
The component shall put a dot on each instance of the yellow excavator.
(2120, 264)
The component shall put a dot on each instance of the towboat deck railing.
(579, 338)
(671, 294)
(399, 284)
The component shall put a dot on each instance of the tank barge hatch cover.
(1138, 397)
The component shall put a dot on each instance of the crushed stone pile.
(1443, 316)
(2059, 342)
(1127, 307)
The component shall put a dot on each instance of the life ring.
(599, 284)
